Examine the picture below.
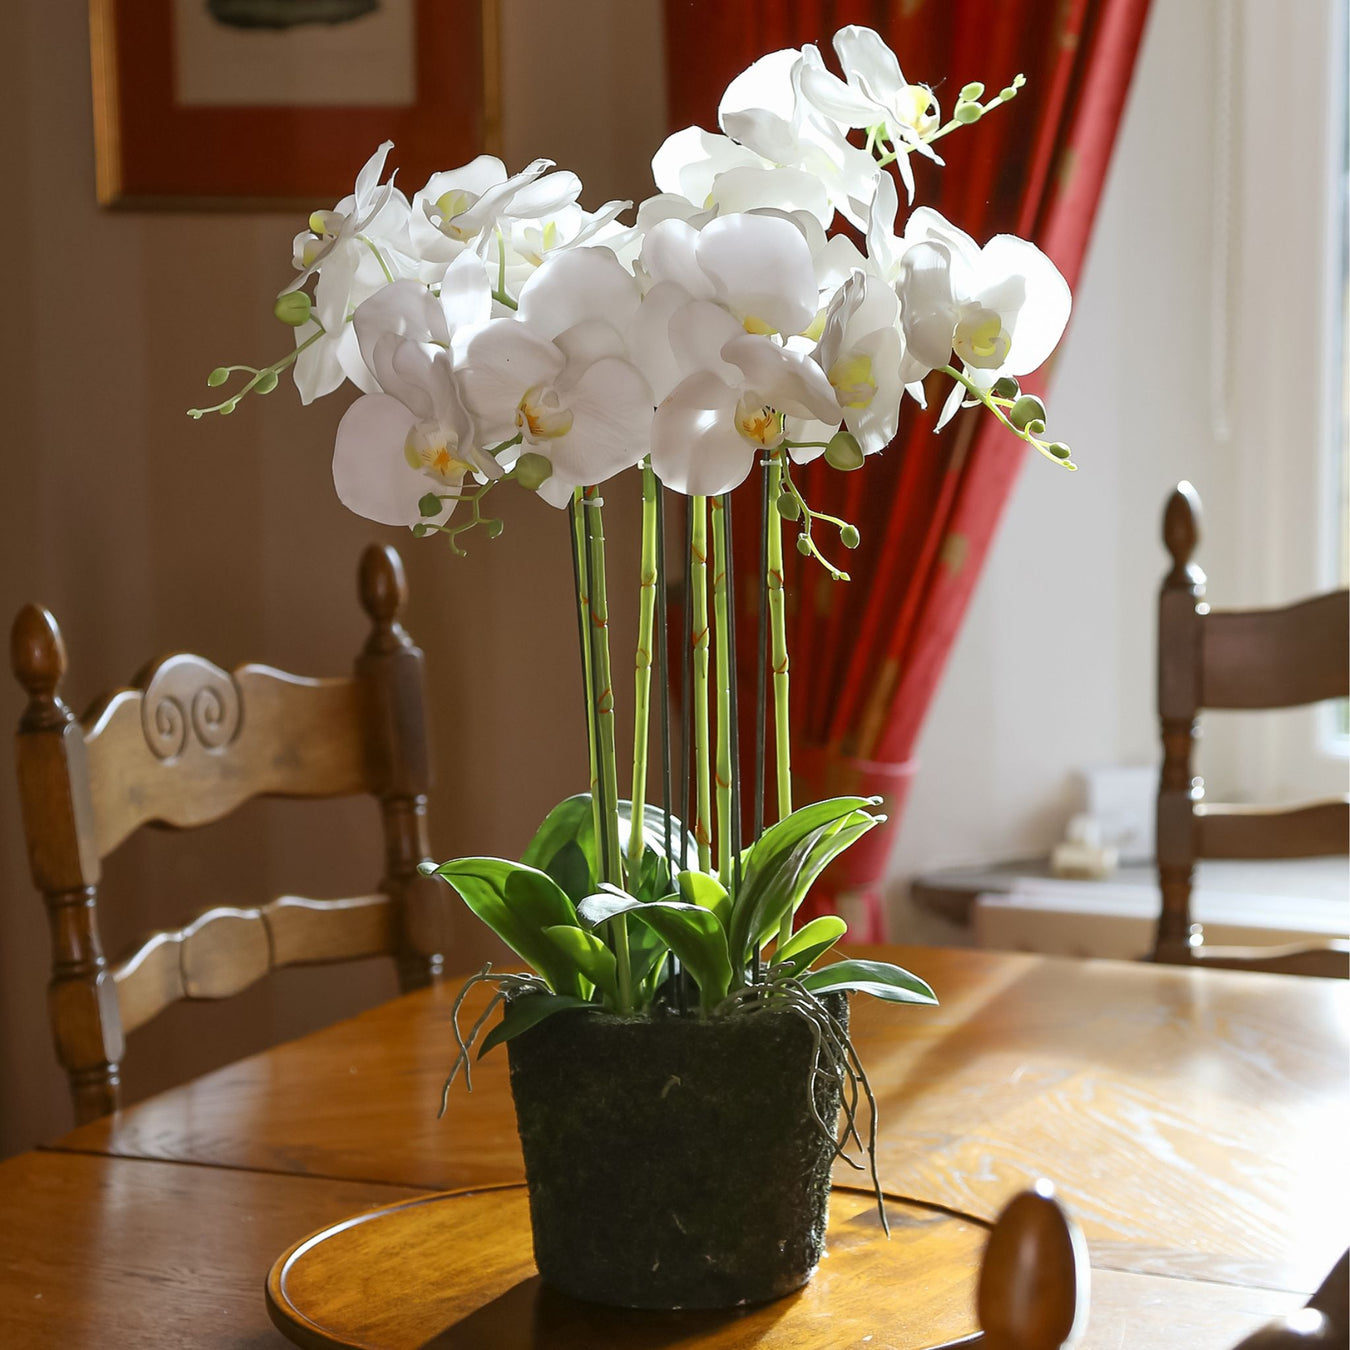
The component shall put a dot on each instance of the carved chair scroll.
(1271, 658)
(185, 745)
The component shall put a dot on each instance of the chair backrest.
(1267, 658)
(184, 745)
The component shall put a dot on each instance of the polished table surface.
(1194, 1121)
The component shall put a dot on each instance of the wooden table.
(1193, 1120)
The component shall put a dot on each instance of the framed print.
(258, 104)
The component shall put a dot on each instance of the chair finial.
(1033, 1289)
(37, 653)
(1181, 525)
(383, 585)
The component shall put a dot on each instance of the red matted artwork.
(251, 104)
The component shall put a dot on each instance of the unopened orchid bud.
(849, 536)
(532, 471)
(267, 381)
(430, 505)
(1059, 449)
(420, 530)
(494, 527)
(217, 377)
(967, 113)
(788, 506)
(1006, 387)
(844, 452)
(228, 407)
(1027, 409)
(293, 308)
(970, 92)
(803, 546)
(1035, 427)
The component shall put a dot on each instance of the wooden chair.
(183, 746)
(1270, 658)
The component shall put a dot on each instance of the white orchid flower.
(765, 109)
(874, 94)
(725, 394)
(1001, 309)
(414, 436)
(715, 173)
(528, 242)
(558, 375)
(462, 208)
(862, 353)
(359, 246)
(757, 266)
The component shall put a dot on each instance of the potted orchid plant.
(679, 1055)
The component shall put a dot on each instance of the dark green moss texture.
(674, 1163)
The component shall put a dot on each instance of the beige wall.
(145, 532)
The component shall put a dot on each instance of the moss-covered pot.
(674, 1163)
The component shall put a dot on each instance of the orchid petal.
(504, 359)
(695, 446)
(951, 407)
(789, 381)
(927, 307)
(579, 284)
(763, 265)
(611, 406)
(370, 473)
(862, 52)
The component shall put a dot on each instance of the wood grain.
(1193, 1120)
(456, 1270)
(185, 744)
(227, 949)
(157, 755)
(120, 1254)
(133, 1255)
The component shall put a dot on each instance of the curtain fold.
(867, 654)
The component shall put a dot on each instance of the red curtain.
(867, 654)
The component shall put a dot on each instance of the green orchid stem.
(228, 404)
(809, 517)
(987, 398)
(603, 700)
(379, 258)
(779, 660)
(722, 653)
(700, 636)
(642, 667)
(580, 566)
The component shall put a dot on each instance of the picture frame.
(257, 105)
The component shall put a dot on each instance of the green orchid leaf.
(783, 836)
(563, 825)
(768, 891)
(571, 869)
(698, 888)
(772, 863)
(518, 903)
(526, 1011)
(569, 830)
(878, 978)
(810, 941)
(590, 956)
(646, 958)
(829, 846)
(693, 933)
